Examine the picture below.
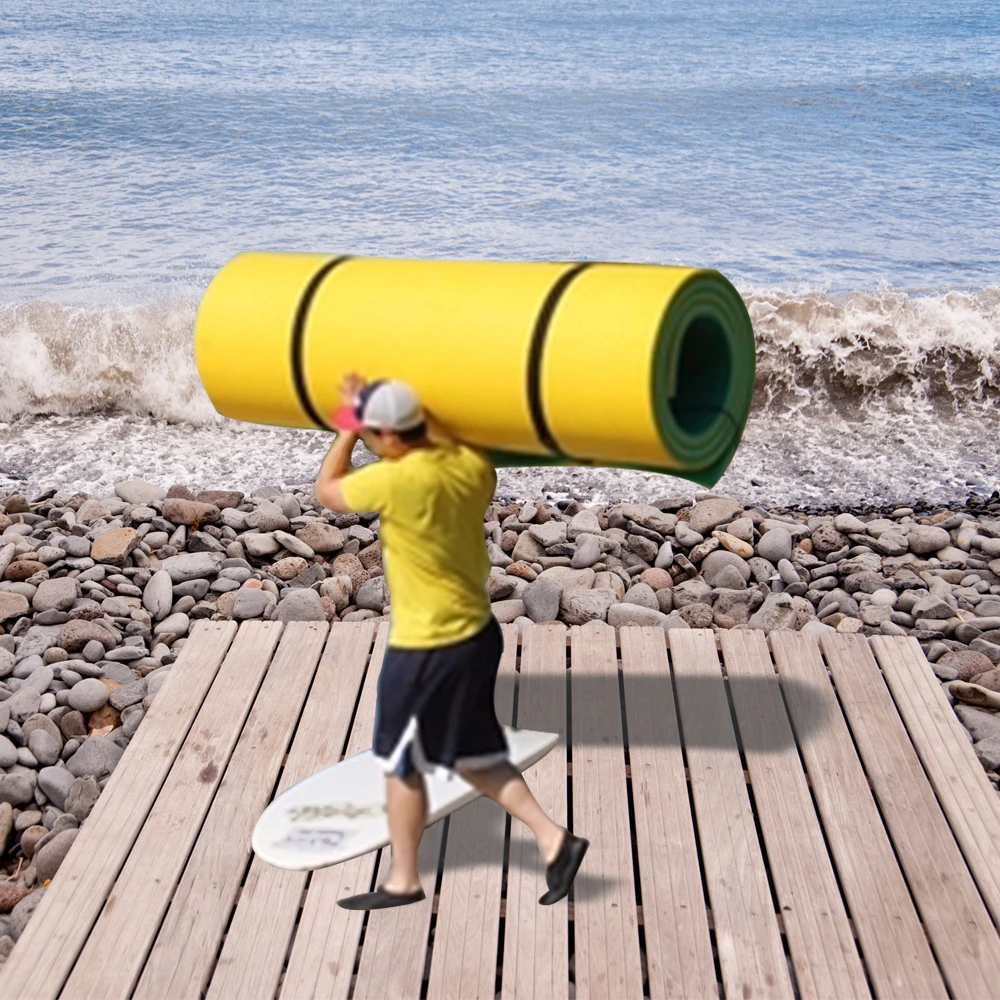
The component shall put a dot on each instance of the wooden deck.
(766, 821)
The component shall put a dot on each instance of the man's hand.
(350, 388)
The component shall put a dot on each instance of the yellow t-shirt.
(431, 504)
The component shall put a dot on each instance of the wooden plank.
(188, 941)
(941, 741)
(824, 955)
(257, 942)
(321, 963)
(607, 935)
(536, 938)
(45, 953)
(897, 956)
(112, 959)
(956, 920)
(678, 947)
(463, 960)
(746, 927)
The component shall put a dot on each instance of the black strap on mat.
(298, 339)
(537, 351)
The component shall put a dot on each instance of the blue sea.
(839, 161)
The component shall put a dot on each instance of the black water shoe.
(380, 899)
(560, 874)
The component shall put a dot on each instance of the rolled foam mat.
(630, 365)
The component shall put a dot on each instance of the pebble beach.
(833, 161)
(99, 592)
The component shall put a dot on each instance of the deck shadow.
(696, 691)
(588, 885)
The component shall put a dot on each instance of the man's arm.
(336, 465)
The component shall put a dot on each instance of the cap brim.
(345, 419)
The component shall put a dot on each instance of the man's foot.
(560, 873)
(380, 899)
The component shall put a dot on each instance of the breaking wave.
(858, 354)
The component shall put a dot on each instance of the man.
(435, 690)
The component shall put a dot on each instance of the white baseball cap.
(382, 405)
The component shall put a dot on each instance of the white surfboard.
(339, 812)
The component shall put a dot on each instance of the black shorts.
(435, 707)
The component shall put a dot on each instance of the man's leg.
(406, 812)
(510, 791)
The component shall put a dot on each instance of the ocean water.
(839, 161)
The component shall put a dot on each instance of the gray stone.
(775, 545)
(8, 752)
(506, 611)
(175, 624)
(673, 620)
(196, 589)
(294, 545)
(7, 662)
(302, 605)
(588, 552)
(115, 607)
(137, 491)
(988, 752)
(97, 756)
(664, 556)
(260, 546)
(990, 650)
(816, 627)
(643, 595)
(925, 538)
(848, 524)
(579, 606)
(268, 516)
(88, 696)
(16, 789)
(373, 594)
(75, 546)
(22, 912)
(82, 796)
(729, 577)
(549, 533)
(584, 522)
(56, 782)
(710, 513)
(321, 537)
(44, 747)
(40, 678)
(128, 694)
(777, 612)
(714, 562)
(686, 536)
(252, 603)
(891, 543)
(362, 615)
(635, 614)
(191, 565)
(691, 592)
(737, 604)
(527, 548)
(542, 598)
(23, 703)
(39, 638)
(568, 578)
(932, 607)
(6, 824)
(56, 595)
(648, 516)
(826, 538)
(51, 855)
